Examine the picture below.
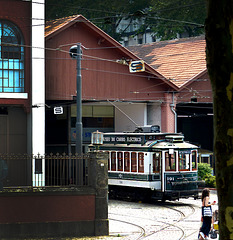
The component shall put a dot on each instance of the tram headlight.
(97, 138)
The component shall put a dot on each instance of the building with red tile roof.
(175, 77)
(183, 62)
(178, 60)
(114, 99)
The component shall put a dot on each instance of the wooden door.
(3, 134)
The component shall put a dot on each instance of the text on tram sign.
(123, 139)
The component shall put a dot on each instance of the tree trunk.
(219, 40)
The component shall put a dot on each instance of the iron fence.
(42, 170)
(62, 170)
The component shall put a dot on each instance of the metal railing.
(42, 170)
(62, 170)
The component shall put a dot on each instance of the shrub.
(205, 173)
(210, 181)
(203, 170)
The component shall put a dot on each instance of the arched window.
(11, 58)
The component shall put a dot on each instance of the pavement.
(123, 231)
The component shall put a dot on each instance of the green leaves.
(205, 173)
(183, 17)
(165, 18)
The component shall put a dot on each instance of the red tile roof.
(54, 25)
(177, 60)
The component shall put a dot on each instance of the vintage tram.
(150, 165)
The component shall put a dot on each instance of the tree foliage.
(105, 14)
(172, 17)
(165, 18)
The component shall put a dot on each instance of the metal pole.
(79, 117)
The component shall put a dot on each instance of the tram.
(150, 165)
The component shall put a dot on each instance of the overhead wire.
(125, 15)
(84, 21)
(98, 70)
(102, 59)
(88, 56)
(93, 57)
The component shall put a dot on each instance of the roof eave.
(62, 27)
(204, 71)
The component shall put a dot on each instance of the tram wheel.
(163, 199)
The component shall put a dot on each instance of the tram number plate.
(171, 179)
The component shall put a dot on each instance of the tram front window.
(170, 161)
(141, 162)
(183, 161)
(194, 160)
(156, 162)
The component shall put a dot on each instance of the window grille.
(11, 58)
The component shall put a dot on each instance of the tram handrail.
(185, 182)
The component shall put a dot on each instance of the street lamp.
(76, 53)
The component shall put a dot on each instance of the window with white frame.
(11, 58)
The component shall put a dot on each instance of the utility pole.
(76, 53)
(79, 102)
(79, 128)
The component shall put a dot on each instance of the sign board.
(58, 110)
(137, 66)
(123, 139)
(87, 133)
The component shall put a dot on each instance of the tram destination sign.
(124, 139)
(134, 138)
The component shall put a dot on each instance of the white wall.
(38, 83)
(135, 111)
(154, 114)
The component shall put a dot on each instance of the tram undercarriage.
(146, 195)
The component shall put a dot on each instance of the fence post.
(98, 179)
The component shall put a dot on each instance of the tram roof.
(140, 138)
(178, 145)
(149, 146)
(143, 133)
(146, 140)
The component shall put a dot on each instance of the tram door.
(157, 168)
(3, 134)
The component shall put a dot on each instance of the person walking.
(206, 214)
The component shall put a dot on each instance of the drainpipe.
(173, 110)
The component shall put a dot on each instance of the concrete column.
(167, 116)
(38, 91)
(98, 179)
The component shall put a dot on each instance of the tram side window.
(126, 162)
(120, 161)
(113, 161)
(194, 160)
(133, 162)
(156, 162)
(141, 162)
(108, 161)
(170, 161)
(183, 161)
